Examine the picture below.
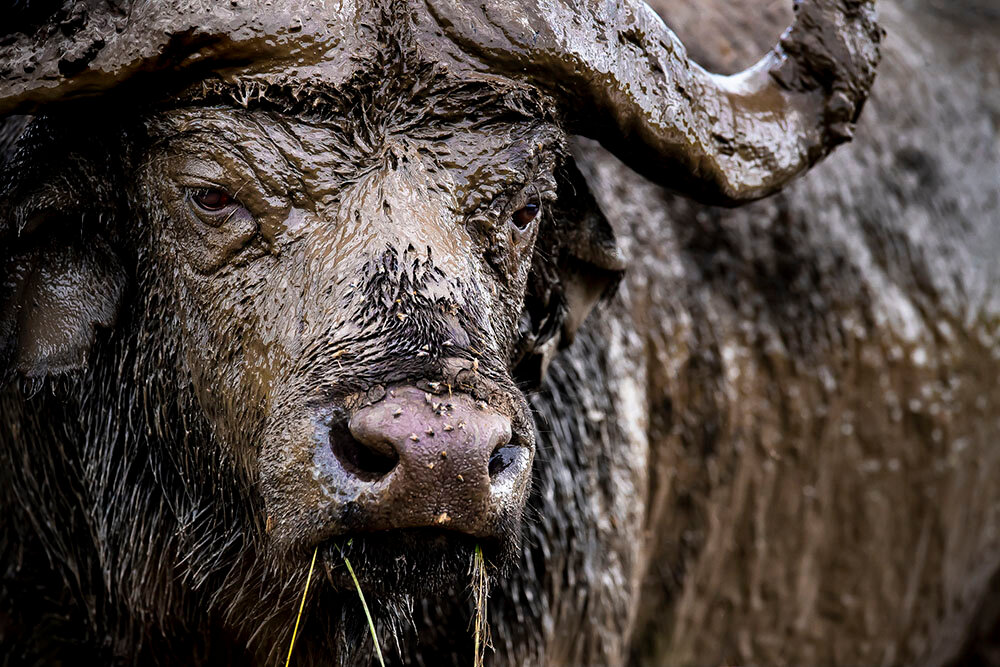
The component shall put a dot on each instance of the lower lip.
(404, 561)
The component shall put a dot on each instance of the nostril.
(368, 462)
(502, 458)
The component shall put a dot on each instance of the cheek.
(524, 249)
(236, 323)
(245, 326)
(508, 267)
(508, 253)
(231, 348)
(520, 249)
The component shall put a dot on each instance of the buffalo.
(313, 279)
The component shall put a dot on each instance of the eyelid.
(195, 185)
(221, 167)
(234, 211)
(529, 194)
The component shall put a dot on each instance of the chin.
(413, 562)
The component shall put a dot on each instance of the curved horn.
(625, 79)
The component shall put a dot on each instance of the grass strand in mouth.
(481, 593)
(302, 606)
(371, 623)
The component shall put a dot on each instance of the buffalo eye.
(212, 200)
(524, 215)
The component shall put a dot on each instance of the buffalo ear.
(577, 262)
(60, 278)
(55, 295)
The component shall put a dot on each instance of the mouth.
(416, 561)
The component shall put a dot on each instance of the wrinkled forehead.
(358, 133)
(345, 79)
(319, 136)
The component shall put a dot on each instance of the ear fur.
(577, 262)
(61, 279)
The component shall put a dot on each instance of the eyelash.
(528, 203)
(506, 207)
(225, 199)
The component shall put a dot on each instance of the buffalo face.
(349, 306)
(328, 314)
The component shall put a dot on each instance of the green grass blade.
(302, 606)
(371, 623)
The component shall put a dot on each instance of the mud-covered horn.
(618, 73)
(89, 47)
(624, 78)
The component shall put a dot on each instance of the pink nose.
(433, 461)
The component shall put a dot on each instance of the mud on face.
(314, 319)
(349, 300)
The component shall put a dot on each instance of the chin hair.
(416, 562)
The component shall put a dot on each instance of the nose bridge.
(403, 206)
(392, 247)
(393, 283)
(408, 206)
